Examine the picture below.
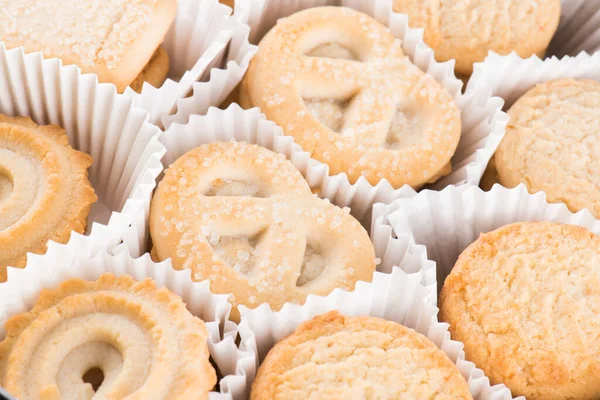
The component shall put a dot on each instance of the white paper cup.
(579, 28)
(123, 145)
(61, 263)
(396, 297)
(208, 54)
(448, 221)
(483, 121)
(252, 127)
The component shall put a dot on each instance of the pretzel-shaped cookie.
(245, 218)
(44, 190)
(339, 82)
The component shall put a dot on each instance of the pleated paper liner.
(60, 263)
(396, 297)
(251, 126)
(98, 121)
(208, 53)
(447, 222)
(579, 28)
(483, 121)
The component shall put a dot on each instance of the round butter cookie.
(552, 143)
(337, 357)
(114, 338)
(467, 30)
(244, 217)
(525, 299)
(339, 83)
(44, 190)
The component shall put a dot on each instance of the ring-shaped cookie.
(144, 341)
(245, 218)
(339, 83)
(44, 190)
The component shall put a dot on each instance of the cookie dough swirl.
(143, 340)
(44, 190)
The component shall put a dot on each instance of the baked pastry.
(525, 299)
(114, 40)
(552, 143)
(229, 3)
(467, 31)
(155, 72)
(339, 83)
(244, 217)
(44, 190)
(112, 339)
(332, 356)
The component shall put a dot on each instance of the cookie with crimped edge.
(332, 356)
(467, 31)
(338, 82)
(525, 299)
(552, 143)
(144, 341)
(45, 193)
(112, 39)
(244, 218)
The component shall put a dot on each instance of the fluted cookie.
(466, 31)
(245, 218)
(44, 190)
(525, 299)
(339, 83)
(141, 341)
(552, 143)
(155, 72)
(337, 357)
(113, 39)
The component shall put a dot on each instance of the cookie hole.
(95, 377)
(313, 265)
(333, 50)
(239, 253)
(330, 112)
(405, 129)
(232, 187)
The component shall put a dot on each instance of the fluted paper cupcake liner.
(447, 222)
(208, 53)
(396, 297)
(483, 121)
(124, 146)
(509, 77)
(61, 263)
(578, 29)
(251, 126)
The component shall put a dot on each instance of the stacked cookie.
(260, 219)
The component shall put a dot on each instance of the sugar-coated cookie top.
(525, 300)
(466, 30)
(332, 356)
(98, 36)
(339, 82)
(552, 143)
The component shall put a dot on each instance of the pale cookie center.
(330, 112)
(231, 187)
(333, 50)
(313, 265)
(405, 129)
(6, 186)
(239, 253)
